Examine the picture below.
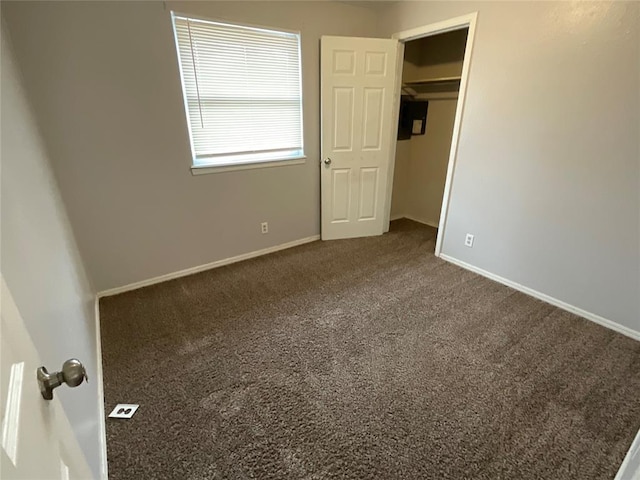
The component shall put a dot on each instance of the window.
(242, 92)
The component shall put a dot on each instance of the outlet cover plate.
(124, 410)
(468, 241)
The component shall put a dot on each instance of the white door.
(37, 440)
(358, 82)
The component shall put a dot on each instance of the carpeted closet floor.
(362, 359)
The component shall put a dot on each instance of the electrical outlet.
(265, 227)
(468, 240)
(124, 410)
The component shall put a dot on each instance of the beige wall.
(40, 261)
(400, 188)
(104, 79)
(421, 166)
(548, 168)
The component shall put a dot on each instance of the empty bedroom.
(320, 239)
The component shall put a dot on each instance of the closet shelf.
(428, 85)
(433, 81)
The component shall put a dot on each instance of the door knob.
(327, 161)
(73, 374)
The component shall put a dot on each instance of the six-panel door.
(358, 82)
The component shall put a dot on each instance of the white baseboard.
(206, 266)
(546, 298)
(104, 472)
(414, 219)
(424, 222)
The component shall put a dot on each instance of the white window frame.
(218, 167)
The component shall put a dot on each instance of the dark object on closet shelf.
(412, 118)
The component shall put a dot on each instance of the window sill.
(231, 167)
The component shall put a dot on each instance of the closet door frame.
(457, 23)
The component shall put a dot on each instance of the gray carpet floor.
(362, 359)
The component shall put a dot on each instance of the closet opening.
(434, 70)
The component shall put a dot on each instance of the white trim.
(104, 469)
(395, 118)
(634, 450)
(206, 266)
(462, 95)
(457, 23)
(444, 26)
(204, 169)
(546, 298)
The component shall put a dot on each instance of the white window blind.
(242, 91)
